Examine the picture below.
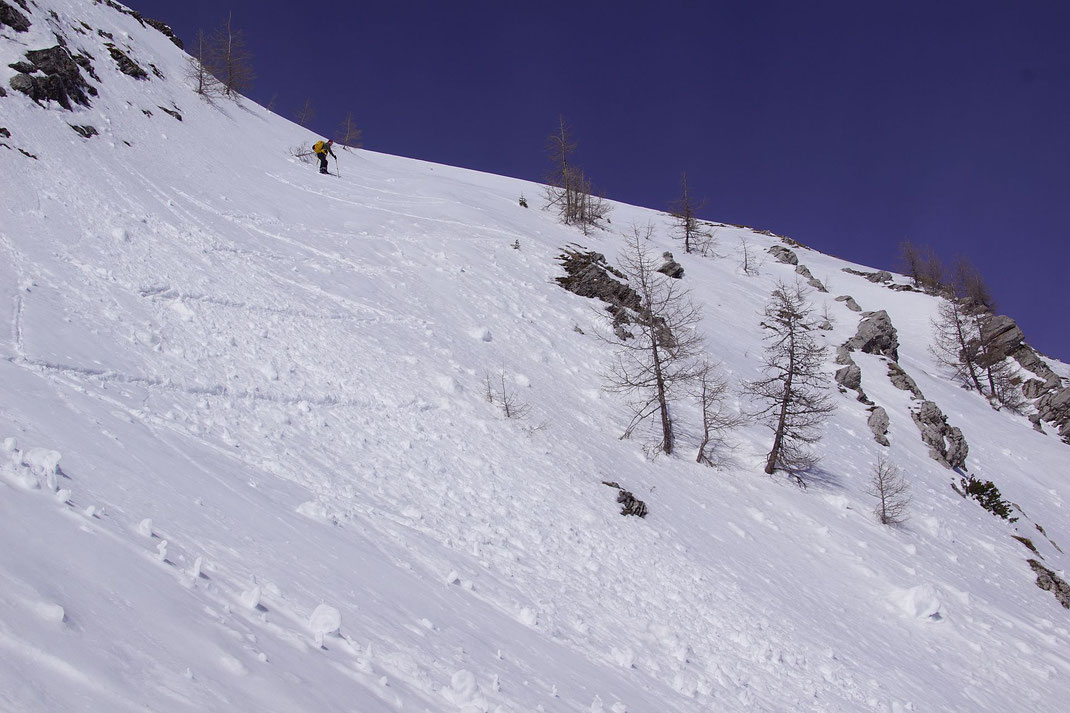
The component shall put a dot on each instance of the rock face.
(165, 30)
(63, 82)
(878, 424)
(1052, 400)
(804, 271)
(589, 275)
(85, 131)
(125, 64)
(876, 335)
(1054, 407)
(881, 276)
(1002, 336)
(849, 302)
(902, 380)
(671, 268)
(630, 505)
(12, 18)
(1049, 581)
(849, 377)
(947, 445)
(784, 255)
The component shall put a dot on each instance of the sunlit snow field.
(233, 390)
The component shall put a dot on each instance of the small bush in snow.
(988, 495)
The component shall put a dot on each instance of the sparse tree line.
(961, 341)
(660, 360)
(221, 65)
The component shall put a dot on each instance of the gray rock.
(902, 380)
(876, 335)
(671, 268)
(849, 377)
(957, 448)
(849, 302)
(165, 30)
(784, 255)
(1054, 407)
(843, 355)
(881, 276)
(1002, 336)
(878, 423)
(1033, 389)
(85, 131)
(817, 284)
(62, 81)
(126, 65)
(13, 18)
(1049, 581)
(947, 445)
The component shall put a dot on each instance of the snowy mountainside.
(248, 463)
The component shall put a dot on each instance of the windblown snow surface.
(248, 465)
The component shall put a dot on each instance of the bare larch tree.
(710, 389)
(349, 135)
(307, 113)
(568, 190)
(892, 492)
(961, 342)
(686, 226)
(230, 59)
(197, 71)
(794, 386)
(656, 357)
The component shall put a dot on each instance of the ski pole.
(336, 169)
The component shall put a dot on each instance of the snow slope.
(248, 464)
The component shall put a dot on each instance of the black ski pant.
(323, 162)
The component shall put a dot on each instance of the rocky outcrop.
(881, 276)
(876, 335)
(12, 18)
(849, 377)
(671, 268)
(849, 303)
(630, 505)
(62, 80)
(1003, 338)
(1049, 581)
(784, 255)
(902, 380)
(589, 275)
(125, 64)
(878, 423)
(165, 30)
(1054, 407)
(84, 131)
(947, 445)
(804, 271)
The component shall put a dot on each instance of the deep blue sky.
(849, 126)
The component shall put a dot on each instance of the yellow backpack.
(318, 147)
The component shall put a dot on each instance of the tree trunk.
(770, 464)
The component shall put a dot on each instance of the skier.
(321, 149)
